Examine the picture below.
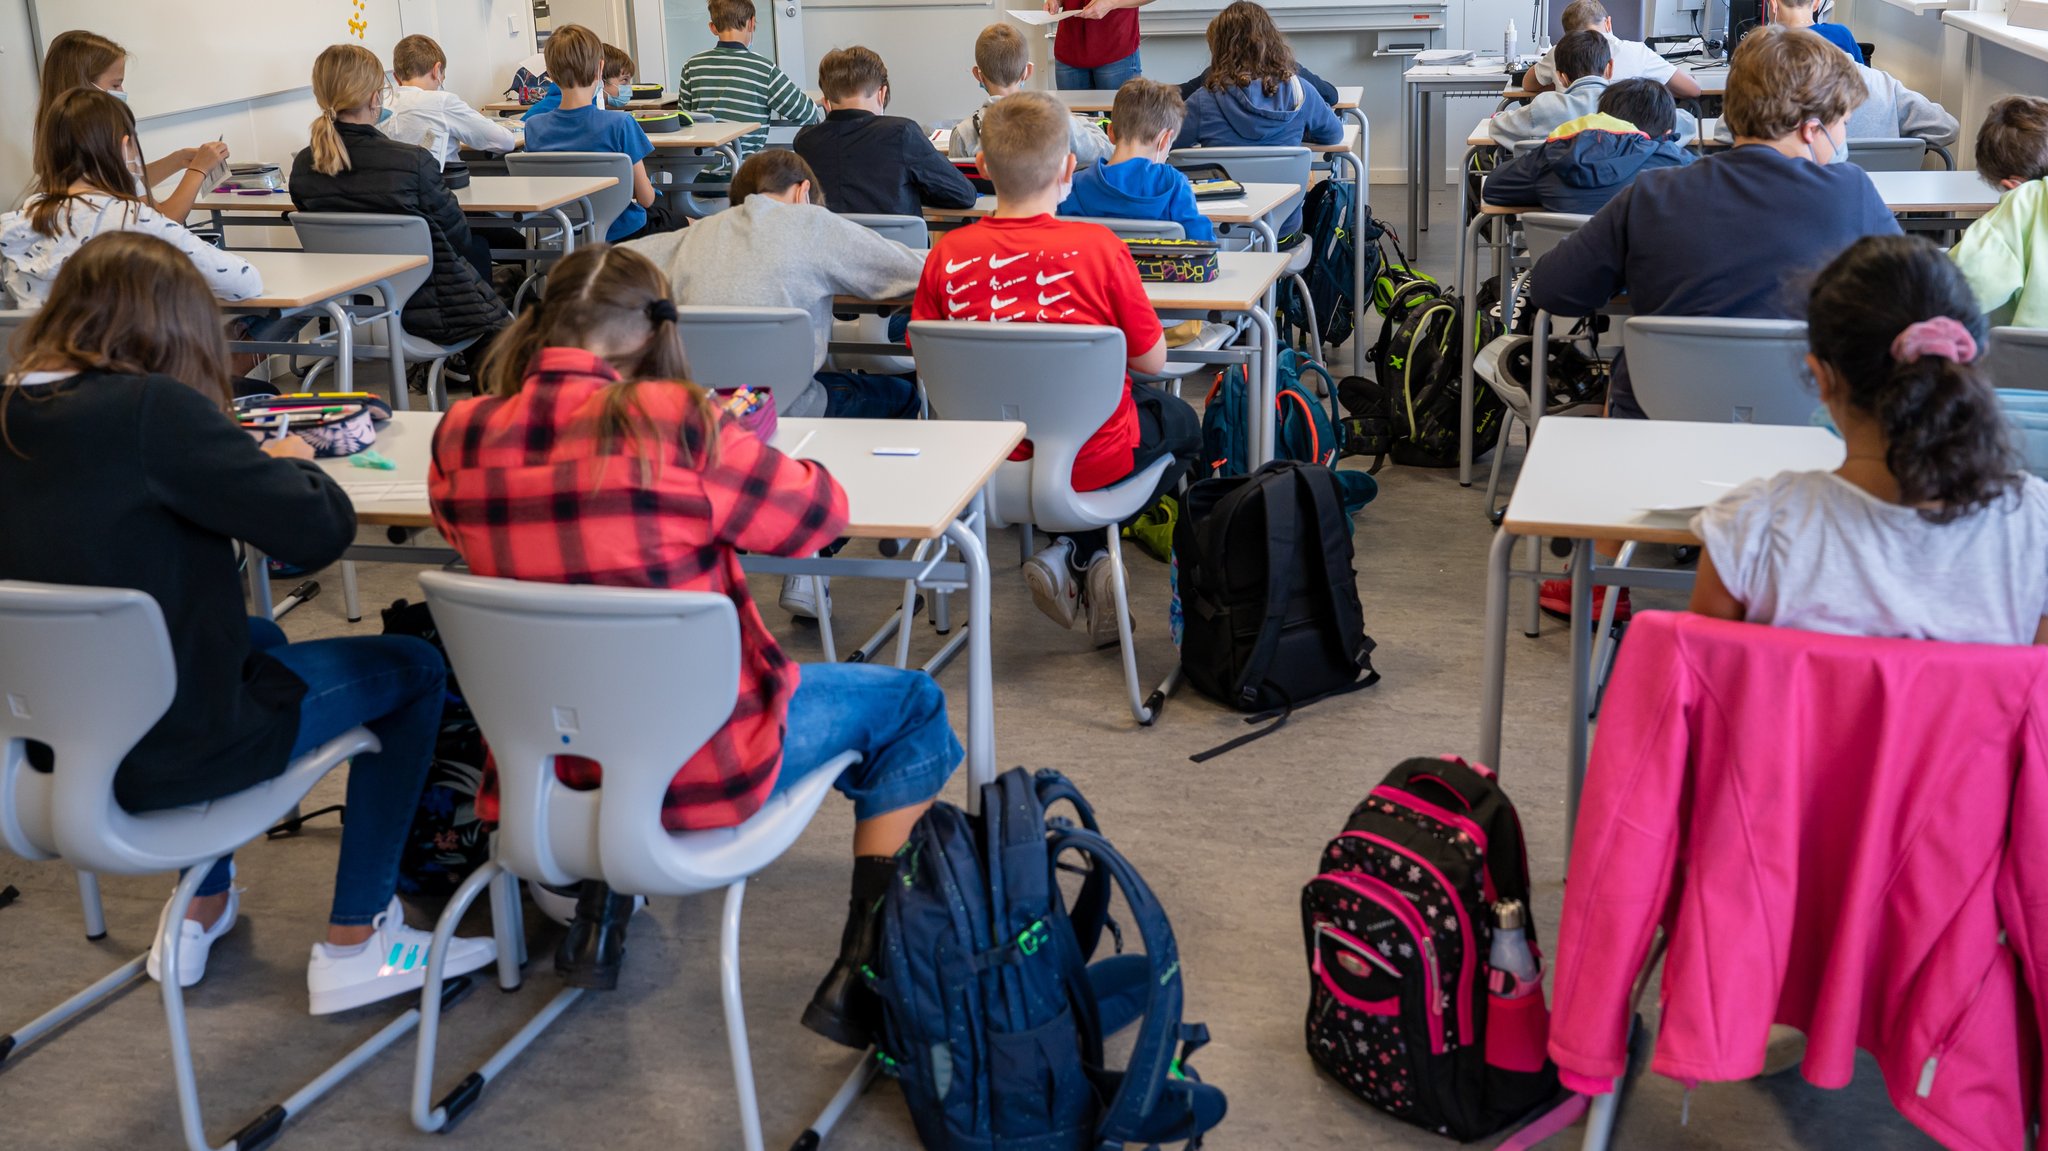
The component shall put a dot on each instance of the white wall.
(1964, 73)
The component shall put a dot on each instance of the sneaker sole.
(1102, 630)
(1045, 593)
(390, 986)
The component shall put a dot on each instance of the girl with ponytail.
(1929, 529)
(594, 460)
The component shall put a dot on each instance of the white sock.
(337, 951)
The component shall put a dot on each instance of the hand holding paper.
(1040, 18)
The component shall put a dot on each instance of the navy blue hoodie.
(1137, 189)
(1248, 117)
(1581, 166)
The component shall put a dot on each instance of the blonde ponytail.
(346, 77)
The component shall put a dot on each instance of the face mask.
(1837, 149)
(116, 93)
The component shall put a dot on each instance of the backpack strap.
(1281, 532)
(1329, 509)
(1090, 911)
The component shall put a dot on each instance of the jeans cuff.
(904, 793)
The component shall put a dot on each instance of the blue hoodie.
(1581, 166)
(1248, 117)
(1137, 189)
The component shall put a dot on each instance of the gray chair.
(380, 234)
(909, 231)
(1720, 371)
(1541, 232)
(1135, 229)
(1267, 165)
(1213, 336)
(748, 347)
(11, 322)
(637, 679)
(1904, 154)
(2018, 358)
(88, 672)
(605, 206)
(2026, 412)
(868, 328)
(1063, 381)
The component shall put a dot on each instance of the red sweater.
(1084, 43)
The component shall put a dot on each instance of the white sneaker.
(393, 962)
(801, 595)
(194, 941)
(1100, 600)
(1052, 586)
(559, 904)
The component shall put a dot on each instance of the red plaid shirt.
(520, 489)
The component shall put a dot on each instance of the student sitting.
(1889, 111)
(2005, 252)
(1586, 161)
(123, 469)
(1002, 63)
(88, 184)
(1583, 67)
(729, 81)
(1799, 14)
(575, 59)
(868, 162)
(1135, 183)
(352, 167)
(779, 246)
(80, 59)
(1727, 234)
(614, 74)
(1929, 529)
(1254, 95)
(440, 121)
(652, 488)
(1061, 272)
(1632, 58)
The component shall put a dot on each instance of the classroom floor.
(1225, 845)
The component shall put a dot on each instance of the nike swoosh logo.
(952, 290)
(997, 303)
(1005, 261)
(1055, 298)
(954, 266)
(1044, 279)
(955, 307)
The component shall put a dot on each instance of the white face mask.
(116, 93)
(1838, 150)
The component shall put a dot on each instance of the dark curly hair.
(1946, 441)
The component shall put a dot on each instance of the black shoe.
(589, 956)
(844, 1008)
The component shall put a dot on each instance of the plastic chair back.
(1262, 165)
(2027, 413)
(605, 205)
(749, 347)
(1136, 229)
(372, 233)
(2016, 358)
(1543, 231)
(1905, 154)
(1719, 371)
(909, 231)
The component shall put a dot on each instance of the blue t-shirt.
(1840, 36)
(593, 129)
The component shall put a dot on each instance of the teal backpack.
(1307, 429)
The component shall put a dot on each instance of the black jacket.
(141, 482)
(385, 175)
(1581, 166)
(880, 164)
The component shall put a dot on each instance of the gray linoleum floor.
(1226, 846)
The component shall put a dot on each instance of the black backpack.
(1398, 927)
(446, 841)
(1418, 363)
(1268, 595)
(1326, 217)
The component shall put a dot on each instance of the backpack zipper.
(1365, 953)
(1386, 895)
(1395, 795)
(1471, 944)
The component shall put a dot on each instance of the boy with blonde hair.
(1632, 58)
(1136, 183)
(730, 81)
(1024, 265)
(2004, 254)
(1002, 63)
(439, 121)
(868, 162)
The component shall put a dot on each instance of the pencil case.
(658, 121)
(750, 408)
(331, 423)
(1174, 261)
(647, 92)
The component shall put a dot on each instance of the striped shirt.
(730, 82)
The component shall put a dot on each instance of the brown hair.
(771, 172)
(618, 63)
(1144, 108)
(416, 56)
(1582, 14)
(731, 15)
(1023, 139)
(1581, 54)
(618, 293)
(1246, 47)
(1001, 54)
(2013, 143)
(130, 303)
(345, 77)
(854, 71)
(575, 56)
(1782, 77)
(75, 59)
(78, 141)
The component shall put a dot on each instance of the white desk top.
(1481, 135)
(301, 279)
(1713, 81)
(1242, 279)
(1258, 202)
(1347, 143)
(1479, 74)
(1994, 26)
(888, 497)
(706, 134)
(1597, 479)
(1962, 193)
(484, 194)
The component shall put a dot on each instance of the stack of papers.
(1041, 16)
(1435, 56)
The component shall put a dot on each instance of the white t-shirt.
(1632, 58)
(29, 260)
(442, 123)
(1813, 551)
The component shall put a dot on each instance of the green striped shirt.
(734, 83)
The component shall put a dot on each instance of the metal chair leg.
(351, 599)
(825, 636)
(736, 1016)
(1500, 451)
(57, 1016)
(1603, 646)
(95, 912)
(1140, 710)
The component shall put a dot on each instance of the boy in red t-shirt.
(1024, 264)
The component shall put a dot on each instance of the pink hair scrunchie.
(1943, 336)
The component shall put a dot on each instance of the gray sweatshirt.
(1089, 142)
(768, 254)
(1542, 114)
(1890, 111)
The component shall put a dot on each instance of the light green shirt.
(2005, 257)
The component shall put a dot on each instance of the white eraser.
(896, 451)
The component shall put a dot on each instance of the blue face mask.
(116, 93)
(618, 99)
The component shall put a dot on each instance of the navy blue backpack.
(993, 1015)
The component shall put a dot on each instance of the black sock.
(872, 875)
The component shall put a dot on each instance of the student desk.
(1712, 79)
(521, 197)
(935, 495)
(509, 109)
(1418, 84)
(1101, 100)
(716, 136)
(1589, 479)
(1257, 207)
(295, 282)
(1953, 194)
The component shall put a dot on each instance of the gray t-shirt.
(1811, 550)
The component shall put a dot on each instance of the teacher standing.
(1097, 49)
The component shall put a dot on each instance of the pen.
(797, 451)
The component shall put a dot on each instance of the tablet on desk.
(1212, 182)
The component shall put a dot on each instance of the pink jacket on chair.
(1825, 828)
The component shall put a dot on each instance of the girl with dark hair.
(594, 460)
(123, 469)
(1929, 529)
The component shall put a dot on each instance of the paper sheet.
(1040, 16)
(386, 491)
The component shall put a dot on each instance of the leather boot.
(589, 956)
(844, 1008)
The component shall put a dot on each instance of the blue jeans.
(896, 719)
(869, 396)
(395, 686)
(1105, 78)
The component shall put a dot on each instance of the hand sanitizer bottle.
(1507, 46)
